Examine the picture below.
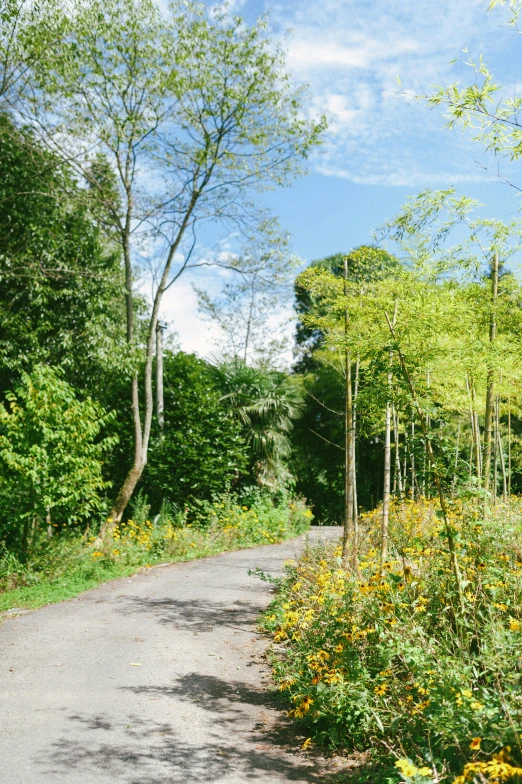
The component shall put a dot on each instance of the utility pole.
(159, 377)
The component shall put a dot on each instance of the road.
(153, 679)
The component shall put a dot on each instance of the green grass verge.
(67, 566)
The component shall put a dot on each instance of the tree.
(28, 31)
(51, 454)
(203, 450)
(193, 114)
(250, 310)
(61, 288)
(265, 402)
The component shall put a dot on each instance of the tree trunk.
(412, 458)
(349, 543)
(490, 377)
(354, 441)
(142, 434)
(159, 379)
(509, 448)
(387, 457)
(387, 481)
(456, 462)
(397, 482)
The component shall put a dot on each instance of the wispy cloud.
(351, 52)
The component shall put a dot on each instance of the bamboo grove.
(427, 344)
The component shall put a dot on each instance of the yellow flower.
(476, 706)
(475, 744)
(406, 767)
(514, 625)
(307, 743)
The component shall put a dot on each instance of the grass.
(64, 566)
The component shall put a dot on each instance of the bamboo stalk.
(509, 447)
(456, 462)
(349, 543)
(436, 476)
(354, 441)
(490, 376)
(387, 457)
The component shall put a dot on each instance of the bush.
(51, 457)
(383, 659)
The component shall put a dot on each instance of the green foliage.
(203, 452)
(265, 402)
(381, 658)
(51, 456)
(60, 280)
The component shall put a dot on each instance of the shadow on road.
(192, 615)
(140, 751)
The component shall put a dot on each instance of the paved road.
(75, 710)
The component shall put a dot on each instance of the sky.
(381, 146)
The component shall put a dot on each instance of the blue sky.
(381, 146)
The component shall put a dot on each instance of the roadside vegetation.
(384, 662)
(133, 140)
(62, 566)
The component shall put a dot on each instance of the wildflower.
(381, 690)
(514, 625)
(307, 744)
(476, 706)
(475, 744)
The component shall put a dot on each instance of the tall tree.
(194, 113)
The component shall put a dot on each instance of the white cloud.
(351, 51)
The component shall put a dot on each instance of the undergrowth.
(65, 564)
(383, 661)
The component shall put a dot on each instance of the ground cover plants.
(381, 660)
(63, 566)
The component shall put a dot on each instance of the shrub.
(51, 456)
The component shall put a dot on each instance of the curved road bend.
(153, 679)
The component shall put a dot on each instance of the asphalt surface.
(154, 679)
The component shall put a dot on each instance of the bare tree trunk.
(349, 543)
(456, 462)
(398, 475)
(159, 379)
(494, 449)
(354, 441)
(387, 481)
(387, 456)
(412, 458)
(142, 433)
(502, 468)
(490, 377)
(509, 447)
(473, 440)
